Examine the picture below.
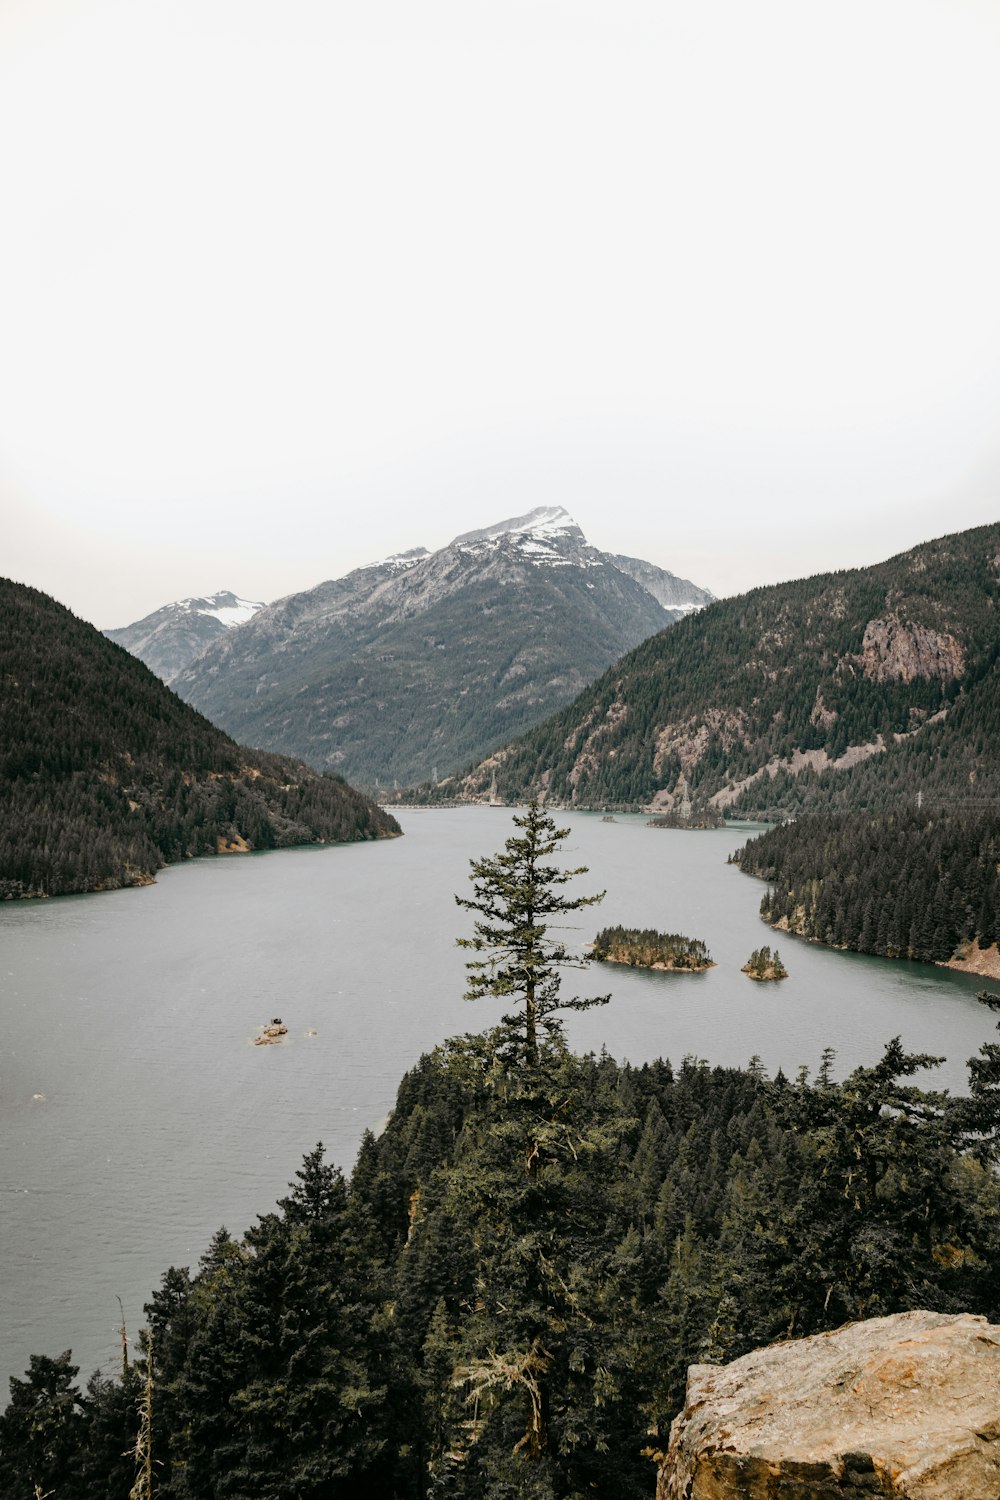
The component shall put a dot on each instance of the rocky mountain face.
(847, 689)
(411, 668)
(172, 637)
(906, 1406)
(105, 775)
(675, 594)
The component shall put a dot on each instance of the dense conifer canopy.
(505, 1297)
(912, 883)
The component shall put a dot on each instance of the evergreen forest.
(106, 776)
(503, 1298)
(911, 883)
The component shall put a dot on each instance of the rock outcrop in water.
(270, 1035)
(906, 1406)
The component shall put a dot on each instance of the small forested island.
(763, 964)
(704, 817)
(645, 948)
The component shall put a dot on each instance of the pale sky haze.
(287, 286)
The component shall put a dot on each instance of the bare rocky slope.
(850, 687)
(906, 1406)
(411, 668)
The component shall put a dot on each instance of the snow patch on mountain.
(401, 562)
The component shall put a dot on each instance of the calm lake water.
(136, 1116)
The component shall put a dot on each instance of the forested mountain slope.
(768, 699)
(425, 661)
(954, 762)
(105, 775)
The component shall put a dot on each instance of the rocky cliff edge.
(906, 1406)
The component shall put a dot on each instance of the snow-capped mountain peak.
(418, 663)
(546, 535)
(543, 522)
(226, 607)
(172, 636)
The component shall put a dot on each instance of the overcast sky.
(286, 286)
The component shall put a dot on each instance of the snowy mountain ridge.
(226, 607)
(420, 662)
(546, 537)
(175, 634)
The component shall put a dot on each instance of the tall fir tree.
(516, 895)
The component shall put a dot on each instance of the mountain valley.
(408, 669)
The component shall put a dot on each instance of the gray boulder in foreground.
(906, 1406)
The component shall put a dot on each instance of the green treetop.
(516, 893)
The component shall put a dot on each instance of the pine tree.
(41, 1431)
(515, 894)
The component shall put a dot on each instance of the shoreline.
(983, 963)
(660, 968)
